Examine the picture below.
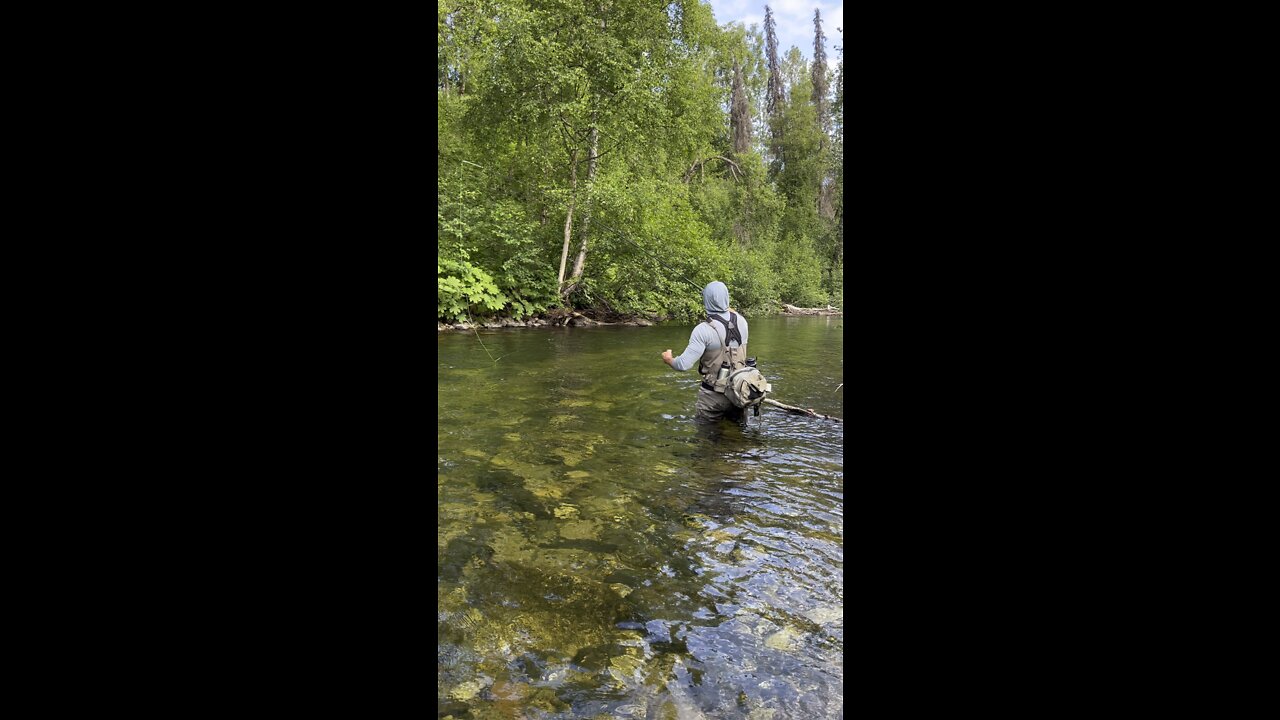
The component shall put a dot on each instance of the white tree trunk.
(568, 219)
(581, 259)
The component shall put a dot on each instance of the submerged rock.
(580, 530)
(469, 689)
(783, 639)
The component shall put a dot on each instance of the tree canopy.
(609, 154)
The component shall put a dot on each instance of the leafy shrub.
(462, 288)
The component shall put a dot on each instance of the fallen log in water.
(793, 310)
(800, 411)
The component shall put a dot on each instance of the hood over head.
(715, 297)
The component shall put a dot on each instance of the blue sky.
(794, 19)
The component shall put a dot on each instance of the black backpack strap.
(730, 328)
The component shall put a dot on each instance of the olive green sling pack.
(738, 378)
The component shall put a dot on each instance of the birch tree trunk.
(580, 260)
(568, 220)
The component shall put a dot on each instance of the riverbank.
(588, 318)
(575, 319)
(558, 317)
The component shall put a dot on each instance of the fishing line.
(673, 271)
(620, 234)
(473, 329)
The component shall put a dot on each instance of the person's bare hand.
(666, 356)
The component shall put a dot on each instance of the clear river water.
(600, 555)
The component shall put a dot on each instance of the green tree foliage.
(609, 133)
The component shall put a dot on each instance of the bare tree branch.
(734, 168)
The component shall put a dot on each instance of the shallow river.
(601, 555)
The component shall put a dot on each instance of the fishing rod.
(617, 233)
(789, 408)
(673, 271)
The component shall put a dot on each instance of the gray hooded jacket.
(710, 336)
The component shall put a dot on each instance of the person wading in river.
(705, 343)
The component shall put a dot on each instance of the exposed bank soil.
(589, 317)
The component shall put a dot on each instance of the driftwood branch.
(800, 411)
(793, 310)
